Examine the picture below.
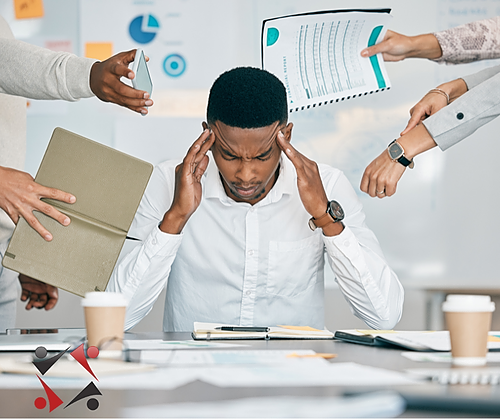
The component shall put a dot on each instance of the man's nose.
(245, 171)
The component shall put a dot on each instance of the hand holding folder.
(109, 186)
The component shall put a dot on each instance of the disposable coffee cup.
(105, 322)
(468, 318)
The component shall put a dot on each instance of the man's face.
(247, 159)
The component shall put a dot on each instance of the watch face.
(395, 151)
(335, 210)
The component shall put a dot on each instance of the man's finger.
(39, 228)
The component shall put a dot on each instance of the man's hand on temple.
(106, 84)
(20, 195)
(38, 294)
(188, 191)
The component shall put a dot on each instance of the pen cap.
(468, 303)
(104, 299)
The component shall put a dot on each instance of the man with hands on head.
(238, 230)
(32, 72)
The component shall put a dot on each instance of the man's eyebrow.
(265, 153)
(226, 152)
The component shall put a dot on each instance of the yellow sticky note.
(99, 50)
(27, 9)
(305, 328)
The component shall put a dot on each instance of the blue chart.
(143, 28)
(328, 59)
(174, 65)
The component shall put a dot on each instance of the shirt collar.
(285, 185)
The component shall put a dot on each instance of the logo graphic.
(43, 365)
(143, 28)
(174, 65)
(272, 36)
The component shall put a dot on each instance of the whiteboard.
(442, 225)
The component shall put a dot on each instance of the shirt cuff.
(158, 241)
(342, 245)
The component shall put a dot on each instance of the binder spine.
(328, 102)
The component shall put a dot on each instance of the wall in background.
(427, 231)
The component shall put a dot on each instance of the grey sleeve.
(473, 41)
(472, 110)
(38, 73)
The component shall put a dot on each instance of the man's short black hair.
(247, 97)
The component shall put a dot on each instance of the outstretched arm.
(20, 195)
(397, 47)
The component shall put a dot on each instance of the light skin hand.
(20, 195)
(383, 174)
(433, 102)
(188, 191)
(38, 294)
(106, 84)
(311, 190)
(397, 47)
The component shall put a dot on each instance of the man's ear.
(287, 131)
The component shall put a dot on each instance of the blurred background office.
(440, 232)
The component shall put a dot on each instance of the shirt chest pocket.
(293, 266)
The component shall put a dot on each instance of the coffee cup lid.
(104, 299)
(468, 303)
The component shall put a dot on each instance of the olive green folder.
(108, 186)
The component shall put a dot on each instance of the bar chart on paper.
(317, 55)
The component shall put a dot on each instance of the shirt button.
(248, 292)
(250, 253)
(460, 115)
(154, 241)
(346, 243)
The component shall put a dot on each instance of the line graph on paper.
(328, 59)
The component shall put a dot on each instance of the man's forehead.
(230, 137)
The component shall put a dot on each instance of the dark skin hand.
(105, 83)
(38, 294)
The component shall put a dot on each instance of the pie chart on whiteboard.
(143, 28)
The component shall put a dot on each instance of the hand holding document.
(317, 55)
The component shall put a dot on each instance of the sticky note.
(305, 328)
(99, 50)
(27, 9)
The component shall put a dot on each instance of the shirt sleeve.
(38, 73)
(473, 41)
(369, 285)
(142, 273)
(469, 112)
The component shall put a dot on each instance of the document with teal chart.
(317, 55)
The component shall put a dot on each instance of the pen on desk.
(243, 329)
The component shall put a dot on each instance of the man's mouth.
(245, 192)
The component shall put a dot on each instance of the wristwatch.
(397, 153)
(334, 213)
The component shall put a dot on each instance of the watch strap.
(320, 222)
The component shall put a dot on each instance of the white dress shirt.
(259, 264)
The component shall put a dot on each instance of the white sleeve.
(369, 285)
(38, 73)
(142, 273)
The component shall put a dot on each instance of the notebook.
(317, 55)
(108, 186)
(210, 331)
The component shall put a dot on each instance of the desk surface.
(427, 400)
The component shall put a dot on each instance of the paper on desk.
(71, 368)
(378, 404)
(443, 356)
(303, 375)
(228, 357)
(158, 344)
